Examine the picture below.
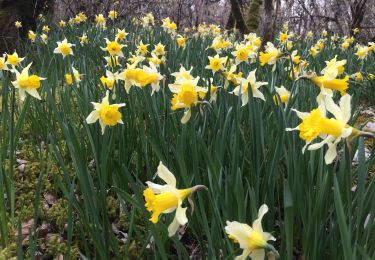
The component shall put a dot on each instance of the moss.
(253, 15)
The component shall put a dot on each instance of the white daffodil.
(243, 91)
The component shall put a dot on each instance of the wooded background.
(262, 16)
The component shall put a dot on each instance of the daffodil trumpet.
(163, 199)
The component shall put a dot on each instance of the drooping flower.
(243, 89)
(284, 95)
(108, 115)
(3, 64)
(44, 38)
(162, 199)
(109, 79)
(362, 52)
(253, 240)
(181, 41)
(332, 130)
(64, 48)
(69, 78)
(26, 83)
(31, 35)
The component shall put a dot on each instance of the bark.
(237, 14)
(268, 30)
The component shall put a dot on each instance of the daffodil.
(216, 63)
(332, 130)
(284, 95)
(109, 79)
(26, 83)
(295, 57)
(46, 28)
(163, 199)
(253, 240)
(18, 24)
(243, 89)
(64, 48)
(112, 14)
(83, 39)
(159, 49)
(69, 78)
(141, 77)
(182, 74)
(185, 95)
(309, 34)
(142, 48)
(108, 115)
(358, 76)
(114, 48)
(14, 59)
(100, 20)
(241, 53)
(31, 36)
(362, 52)
(62, 24)
(181, 41)
(44, 38)
(283, 37)
(230, 75)
(121, 34)
(270, 56)
(314, 51)
(3, 64)
(112, 61)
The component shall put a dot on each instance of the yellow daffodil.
(216, 63)
(270, 56)
(69, 78)
(362, 52)
(230, 75)
(324, 33)
(44, 38)
(112, 14)
(243, 89)
(3, 64)
(182, 74)
(283, 93)
(114, 48)
(309, 34)
(295, 57)
(253, 240)
(26, 83)
(141, 77)
(185, 95)
(64, 48)
(100, 20)
(62, 24)
(109, 79)
(162, 199)
(142, 48)
(181, 41)
(314, 51)
(112, 61)
(121, 35)
(316, 124)
(83, 39)
(159, 49)
(31, 36)
(46, 28)
(358, 76)
(283, 37)
(18, 24)
(14, 59)
(241, 53)
(108, 115)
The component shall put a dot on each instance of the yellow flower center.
(315, 124)
(34, 82)
(283, 37)
(142, 49)
(68, 79)
(158, 203)
(65, 49)
(242, 54)
(23, 81)
(12, 59)
(107, 82)
(215, 64)
(110, 115)
(256, 241)
(181, 41)
(187, 94)
(113, 48)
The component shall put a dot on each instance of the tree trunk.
(238, 17)
(253, 15)
(268, 29)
